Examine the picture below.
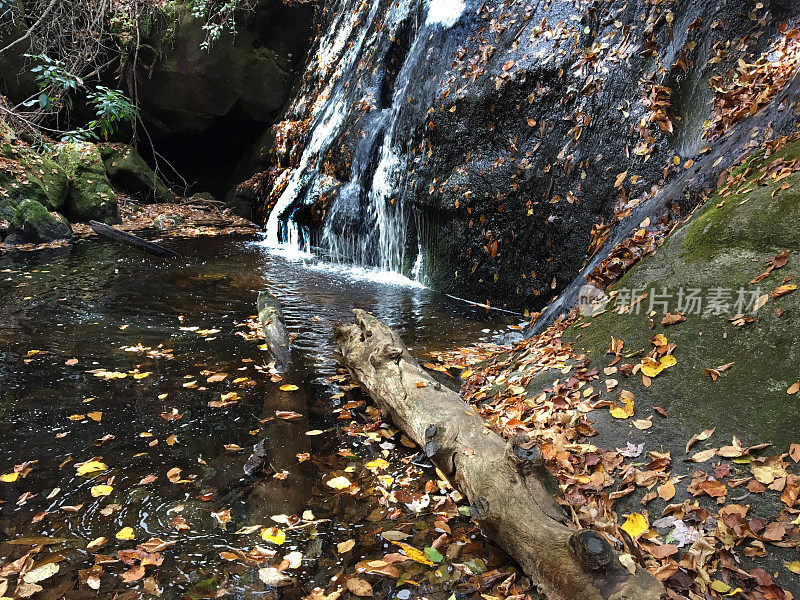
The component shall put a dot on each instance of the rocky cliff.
(496, 146)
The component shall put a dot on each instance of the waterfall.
(366, 221)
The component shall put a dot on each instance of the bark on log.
(132, 240)
(506, 483)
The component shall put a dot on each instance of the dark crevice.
(393, 62)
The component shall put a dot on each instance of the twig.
(44, 15)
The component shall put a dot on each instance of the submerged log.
(277, 336)
(132, 240)
(508, 485)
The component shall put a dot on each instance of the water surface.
(75, 320)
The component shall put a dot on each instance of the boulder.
(129, 172)
(90, 195)
(26, 174)
(34, 224)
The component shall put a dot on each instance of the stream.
(152, 370)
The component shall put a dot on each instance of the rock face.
(190, 88)
(34, 224)
(128, 171)
(495, 145)
(90, 195)
(709, 270)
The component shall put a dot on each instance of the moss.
(33, 223)
(90, 195)
(25, 173)
(128, 171)
(755, 217)
(723, 248)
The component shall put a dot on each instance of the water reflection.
(160, 331)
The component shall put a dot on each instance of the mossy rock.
(718, 253)
(129, 172)
(90, 195)
(26, 174)
(34, 224)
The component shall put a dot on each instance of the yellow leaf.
(274, 535)
(668, 361)
(101, 490)
(289, 387)
(377, 465)
(635, 525)
(650, 367)
(339, 483)
(659, 340)
(92, 466)
(794, 567)
(414, 554)
(9, 477)
(96, 415)
(126, 533)
(625, 411)
(720, 586)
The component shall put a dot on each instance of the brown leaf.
(359, 587)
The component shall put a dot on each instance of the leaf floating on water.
(273, 578)
(41, 573)
(433, 554)
(359, 587)
(274, 535)
(288, 415)
(289, 387)
(101, 490)
(344, 547)
(92, 466)
(339, 483)
(248, 530)
(9, 477)
(96, 543)
(126, 533)
(414, 554)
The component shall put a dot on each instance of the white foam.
(445, 12)
(366, 274)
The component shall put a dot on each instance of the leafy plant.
(219, 17)
(112, 107)
(54, 82)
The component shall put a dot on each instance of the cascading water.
(366, 222)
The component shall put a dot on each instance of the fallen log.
(507, 484)
(132, 240)
(277, 336)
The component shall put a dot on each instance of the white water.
(377, 245)
(445, 12)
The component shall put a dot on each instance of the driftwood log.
(132, 240)
(507, 484)
(277, 336)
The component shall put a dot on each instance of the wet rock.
(128, 172)
(90, 195)
(258, 459)
(34, 224)
(482, 139)
(26, 174)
